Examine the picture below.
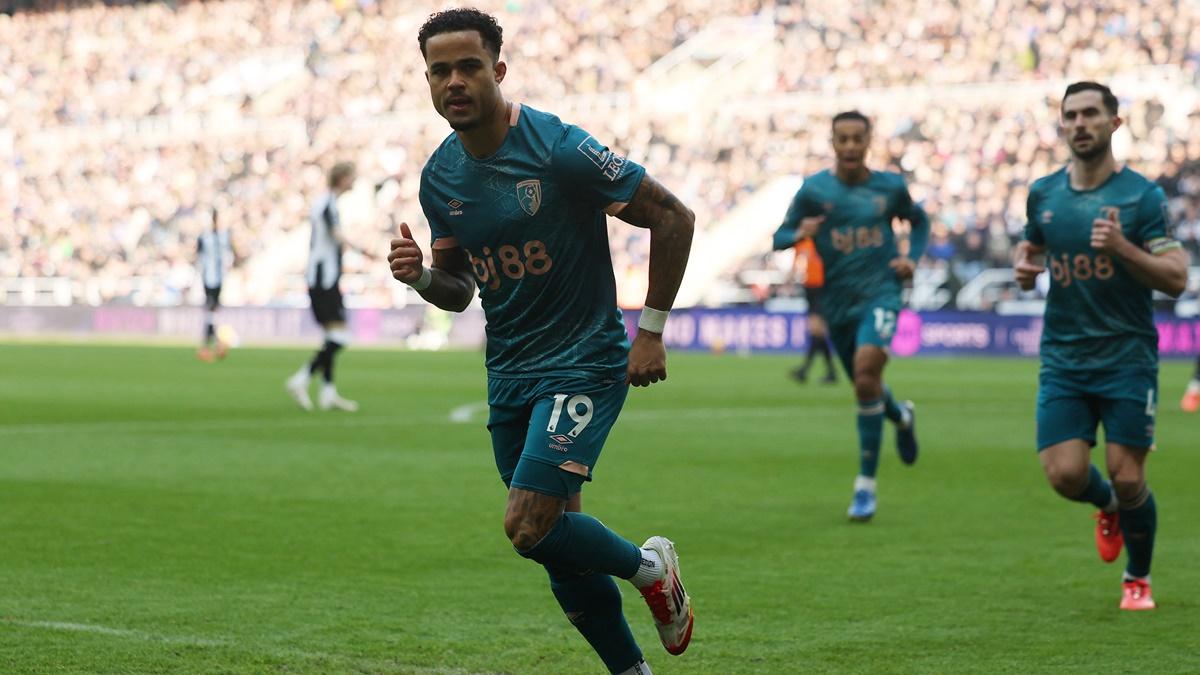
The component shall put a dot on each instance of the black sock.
(808, 358)
(824, 348)
(1196, 375)
(320, 361)
(331, 349)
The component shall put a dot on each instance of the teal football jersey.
(1098, 317)
(856, 241)
(531, 218)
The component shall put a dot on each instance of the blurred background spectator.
(122, 123)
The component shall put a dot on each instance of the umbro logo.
(455, 207)
(1047, 216)
(562, 438)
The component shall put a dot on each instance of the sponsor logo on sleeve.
(610, 163)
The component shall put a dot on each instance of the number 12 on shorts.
(885, 322)
(581, 420)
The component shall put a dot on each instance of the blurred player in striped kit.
(324, 274)
(214, 252)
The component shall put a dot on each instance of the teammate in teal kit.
(848, 212)
(1105, 233)
(516, 202)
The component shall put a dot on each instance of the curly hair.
(464, 19)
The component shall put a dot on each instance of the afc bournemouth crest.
(529, 194)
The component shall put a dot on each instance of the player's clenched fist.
(903, 266)
(647, 360)
(1025, 270)
(1106, 232)
(406, 258)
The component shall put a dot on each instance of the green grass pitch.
(158, 514)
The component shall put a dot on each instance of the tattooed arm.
(671, 224)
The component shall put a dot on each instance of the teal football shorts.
(876, 326)
(1071, 404)
(547, 432)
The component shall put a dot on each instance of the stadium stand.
(115, 145)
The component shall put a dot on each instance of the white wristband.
(423, 282)
(653, 320)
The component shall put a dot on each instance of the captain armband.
(1162, 245)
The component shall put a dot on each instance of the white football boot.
(297, 386)
(329, 400)
(667, 599)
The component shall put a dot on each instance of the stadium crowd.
(939, 42)
(144, 117)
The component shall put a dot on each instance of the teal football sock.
(1098, 492)
(890, 408)
(592, 603)
(870, 433)
(579, 543)
(1139, 520)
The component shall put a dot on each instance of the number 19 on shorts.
(573, 406)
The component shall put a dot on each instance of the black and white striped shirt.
(215, 253)
(324, 253)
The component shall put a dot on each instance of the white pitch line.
(462, 414)
(171, 426)
(469, 412)
(117, 632)
(465, 413)
(190, 641)
(712, 413)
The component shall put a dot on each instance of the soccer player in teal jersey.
(1104, 230)
(516, 201)
(848, 213)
